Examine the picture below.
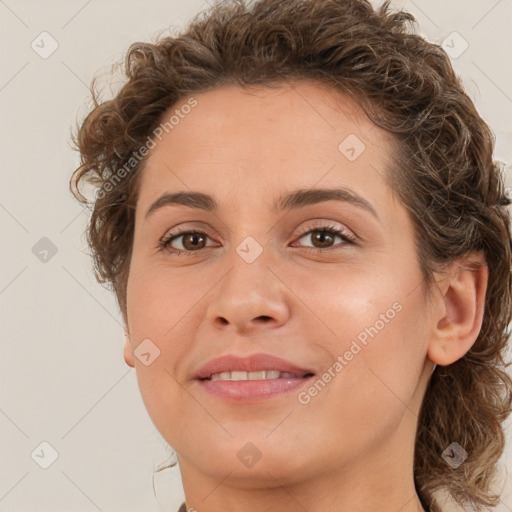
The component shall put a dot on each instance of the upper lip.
(253, 363)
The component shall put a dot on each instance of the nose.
(249, 297)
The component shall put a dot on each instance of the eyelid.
(187, 227)
(327, 224)
(320, 224)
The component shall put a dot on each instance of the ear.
(128, 350)
(459, 308)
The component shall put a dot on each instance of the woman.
(298, 210)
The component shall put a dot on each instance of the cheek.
(376, 334)
(157, 305)
(159, 298)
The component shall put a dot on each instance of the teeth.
(260, 375)
(256, 375)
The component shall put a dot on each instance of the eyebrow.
(289, 201)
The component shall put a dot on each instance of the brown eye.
(192, 241)
(185, 242)
(324, 238)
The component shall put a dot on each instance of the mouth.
(240, 375)
(237, 389)
(251, 379)
(253, 367)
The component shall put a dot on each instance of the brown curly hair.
(445, 176)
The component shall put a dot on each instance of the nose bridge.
(248, 262)
(249, 293)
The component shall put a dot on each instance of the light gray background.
(63, 379)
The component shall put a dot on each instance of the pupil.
(322, 236)
(193, 237)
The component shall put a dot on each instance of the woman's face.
(271, 276)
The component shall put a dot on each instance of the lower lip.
(244, 391)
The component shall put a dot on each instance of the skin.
(350, 448)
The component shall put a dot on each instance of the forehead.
(264, 139)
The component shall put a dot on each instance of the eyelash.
(163, 244)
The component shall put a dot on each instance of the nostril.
(264, 317)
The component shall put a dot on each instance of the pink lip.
(254, 363)
(251, 391)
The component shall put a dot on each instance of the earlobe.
(457, 325)
(128, 350)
